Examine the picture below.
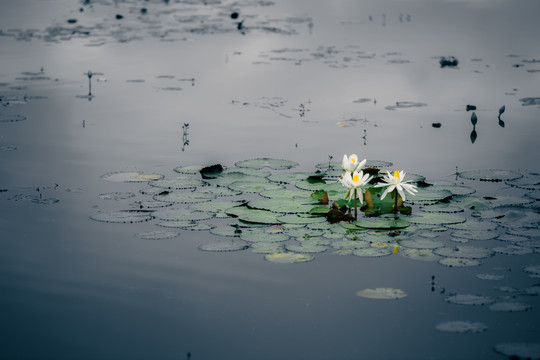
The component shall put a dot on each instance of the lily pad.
(469, 299)
(224, 246)
(262, 236)
(420, 243)
(182, 224)
(11, 118)
(285, 193)
(474, 234)
(490, 175)
(214, 206)
(253, 215)
(519, 350)
(178, 183)
(513, 250)
(420, 254)
(306, 248)
(288, 178)
(489, 277)
(188, 169)
(116, 196)
(510, 307)
(296, 219)
(288, 257)
(184, 197)
(461, 327)
(459, 262)
(131, 176)
(123, 216)
(267, 247)
(436, 219)
(157, 235)
(260, 163)
(424, 196)
(253, 187)
(382, 224)
(285, 206)
(533, 270)
(373, 252)
(182, 214)
(465, 252)
(382, 293)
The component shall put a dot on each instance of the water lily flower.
(350, 163)
(396, 183)
(354, 181)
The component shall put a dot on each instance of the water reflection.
(501, 111)
(474, 121)
(185, 140)
(89, 74)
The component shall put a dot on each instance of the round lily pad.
(420, 254)
(157, 235)
(253, 215)
(184, 197)
(461, 327)
(513, 250)
(436, 219)
(116, 196)
(328, 186)
(182, 224)
(260, 163)
(473, 225)
(178, 183)
(262, 236)
(253, 187)
(11, 118)
(530, 181)
(469, 299)
(182, 214)
(123, 216)
(459, 262)
(521, 350)
(246, 172)
(227, 230)
(442, 208)
(425, 196)
(474, 234)
(373, 252)
(219, 191)
(285, 193)
(350, 244)
(288, 178)
(267, 247)
(295, 219)
(288, 257)
(382, 223)
(131, 176)
(533, 270)
(382, 293)
(286, 206)
(510, 306)
(491, 277)
(420, 243)
(306, 248)
(466, 252)
(189, 169)
(490, 175)
(224, 246)
(214, 206)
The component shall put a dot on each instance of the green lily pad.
(260, 163)
(285, 193)
(459, 262)
(463, 251)
(474, 234)
(461, 327)
(184, 197)
(382, 293)
(219, 191)
(188, 169)
(490, 277)
(473, 225)
(513, 250)
(235, 172)
(267, 247)
(530, 181)
(382, 223)
(182, 214)
(224, 246)
(227, 230)
(131, 176)
(295, 219)
(123, 216)
(420, 254)
(288, 257)
(351, 244)
(178, 183)
(373, 252)
(424, 196)
(182, 224)
(442, 208)
(306, 248)
(288, 178)
(328, 186)
(469, 299)
(262, 236)
(436, 219)
(420, 243)
(285, 206)
(253, 187)
(510, 306)
(157, 235)
(214, 206)
(252, 215)
(490, 175)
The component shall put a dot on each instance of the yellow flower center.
(355, 179)
(396, 174)
(353, 160)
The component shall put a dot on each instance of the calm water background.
(280, 87)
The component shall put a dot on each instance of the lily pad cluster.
(288, 216)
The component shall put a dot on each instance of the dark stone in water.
(144, 11)
(211, 172)
(470, 107)
(119, 16)
(450, 62)
(234, 15)
(436, 125)
(72, 21)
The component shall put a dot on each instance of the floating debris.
(382, 293)
(519, 350)
(157, 235)
(448, 62)
(468, 299)
(462, 327)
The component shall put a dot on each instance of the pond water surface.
(181, 83)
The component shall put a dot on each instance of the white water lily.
(350, 163)
(396, 183)
(354, 181)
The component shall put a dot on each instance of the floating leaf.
(289, 178)
(267, 247)
(382, 224)
(131, 176)
(116, 196)
(474, 234)
(489, 277)
(123, 216)
(177, 183)
(490, 175)
(253, 215)
(11, 118)
(513, 250)
(424, 196)
(157, 235)
(214, 206)
(286, 206)
(436, 219)
(182, 214)
(373, 252)
(262, 236)
(463, 251)
(461, 327)
(442, 208)
(306, 248)
(253, 187)
(224, 246)
(350, 244)
(188, 169)
(295, 219)
(183, 224)
(288, 257)
(285, 193)
(519, 350)
(469, 299)
(260, 163)
(510, 306)
(422, 244)
(382, 293)
(420, 254)
(459, 262)
(473, 225)
(235, 172)
(533, 270)
(184, 197)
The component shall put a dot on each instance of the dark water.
(185, 83)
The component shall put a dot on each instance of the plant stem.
(395, 202)
(355, 211)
